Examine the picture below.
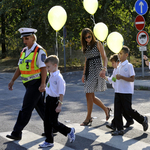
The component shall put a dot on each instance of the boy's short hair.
(52, 59)
(114, 58)
(125, 49)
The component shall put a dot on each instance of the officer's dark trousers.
(51, 120)
(123, 102)
(32, 99)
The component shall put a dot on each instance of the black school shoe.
(13, 137)
(128, 124)
(110, 126)
(145, 123)
(120, 132)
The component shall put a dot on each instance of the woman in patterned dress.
(93, 73)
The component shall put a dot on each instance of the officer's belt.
(31, 77)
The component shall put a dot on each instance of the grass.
(143, 88)
(75, 63)
(8, 64)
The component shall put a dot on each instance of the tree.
(3, 34)
(118, 15)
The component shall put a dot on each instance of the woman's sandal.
(108, 116)
(89, 123)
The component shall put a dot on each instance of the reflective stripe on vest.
(32, 71)
(31, 77)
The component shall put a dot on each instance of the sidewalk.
(75, 77)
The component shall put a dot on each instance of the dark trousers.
(51, 120)
(125, 115)
(32, 99)
(123, 102)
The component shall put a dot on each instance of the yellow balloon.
(115, 42)
(100, 31)
(90, 6)
(57, 17)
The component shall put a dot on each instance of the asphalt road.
(96, 137)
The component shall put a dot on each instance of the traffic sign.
(139, 22)
(141, 7)
(143, 48)
(142, 38)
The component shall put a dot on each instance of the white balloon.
(115, 42)
(90, 6)
(100, 31)
(57, 17)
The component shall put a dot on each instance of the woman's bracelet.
(60, 102)
(106, 78)
(104, 68)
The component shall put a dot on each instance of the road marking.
(31, 141)
(102, 136)
(148, 114)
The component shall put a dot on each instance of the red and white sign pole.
(142, 37)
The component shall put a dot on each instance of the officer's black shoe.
(13, 137)
(120, 132)
(128, 124)
(110, 126)
(145, 123)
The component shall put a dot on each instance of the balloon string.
(92, 17)
(56, 44)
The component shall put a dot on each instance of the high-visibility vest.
(28, 68)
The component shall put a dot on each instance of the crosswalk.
(31, 140)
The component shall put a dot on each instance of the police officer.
(33, 73)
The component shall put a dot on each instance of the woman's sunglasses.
(88, 37)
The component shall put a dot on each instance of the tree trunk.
(3, 36)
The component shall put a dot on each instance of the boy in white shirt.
(115, 61)
(55, 89)
(123, 93)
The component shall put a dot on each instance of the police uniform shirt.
(40, 58)
(56, 84)
(125, 69)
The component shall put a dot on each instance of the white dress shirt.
(114, 84)
(125, 69)
(56, 84)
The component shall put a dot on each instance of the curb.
(136, 87)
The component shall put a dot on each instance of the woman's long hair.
(83, 41)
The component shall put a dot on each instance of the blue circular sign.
(141, 7)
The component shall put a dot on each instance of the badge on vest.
(20, 61)
(27, 65)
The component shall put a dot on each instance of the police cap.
(26, 31)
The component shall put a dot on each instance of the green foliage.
(118, 15)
